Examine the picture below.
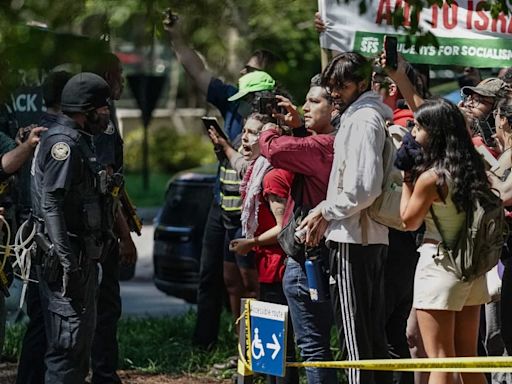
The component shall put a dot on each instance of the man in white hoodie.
(358, 244)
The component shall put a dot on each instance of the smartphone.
(209, 122)
(390, 47)
(267, 105)
(484, 129)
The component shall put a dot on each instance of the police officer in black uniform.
(109, 150)
(70, 197)
(31, 364)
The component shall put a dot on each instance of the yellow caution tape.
(244, 367)
(449, 364)
(248, 333)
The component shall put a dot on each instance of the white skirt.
(436, 287)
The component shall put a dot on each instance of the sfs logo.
(369, 45)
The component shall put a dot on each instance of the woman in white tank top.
(447, 181)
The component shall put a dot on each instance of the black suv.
(179, 231)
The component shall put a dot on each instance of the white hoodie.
(357, 171)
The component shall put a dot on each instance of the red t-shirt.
(402, 117)
(270, 258)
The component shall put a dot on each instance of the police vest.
(230, 199)
(89, 196)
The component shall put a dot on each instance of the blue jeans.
(312, 322)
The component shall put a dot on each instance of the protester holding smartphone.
(403, 336)
(310, 159)
(212, 123)
(239, 271)
(265, 192)
(210, 290)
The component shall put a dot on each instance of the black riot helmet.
(85, 92)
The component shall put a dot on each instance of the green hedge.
(169, 151)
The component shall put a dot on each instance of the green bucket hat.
(491, 87)
(253, 82)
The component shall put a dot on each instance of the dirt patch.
(8, 376)
(132, 377)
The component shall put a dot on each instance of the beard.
(96, 122)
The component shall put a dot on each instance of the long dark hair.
(450, 149)
(347, 66)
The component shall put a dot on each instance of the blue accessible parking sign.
(268, 337)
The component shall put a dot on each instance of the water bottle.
(317, 279)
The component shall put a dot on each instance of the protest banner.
(466, 34)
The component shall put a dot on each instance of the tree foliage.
(218, 29)
(224, 31)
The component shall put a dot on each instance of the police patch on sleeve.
(60, 151)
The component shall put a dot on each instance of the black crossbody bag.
(286, 237)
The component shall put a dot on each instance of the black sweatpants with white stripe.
(358, 299)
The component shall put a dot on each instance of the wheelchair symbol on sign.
(257, 345)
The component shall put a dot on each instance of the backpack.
(480, 242)
(386, 208)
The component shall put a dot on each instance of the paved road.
(139, 295)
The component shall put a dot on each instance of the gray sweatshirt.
(357, 171)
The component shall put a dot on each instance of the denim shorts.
(243, 261)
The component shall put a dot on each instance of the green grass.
(154, 196)
(154, 345)
(13, 337)
(164, 345)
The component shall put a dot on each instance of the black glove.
(409, 154)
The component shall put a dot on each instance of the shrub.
(169, 151)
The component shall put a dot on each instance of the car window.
(187, 205)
